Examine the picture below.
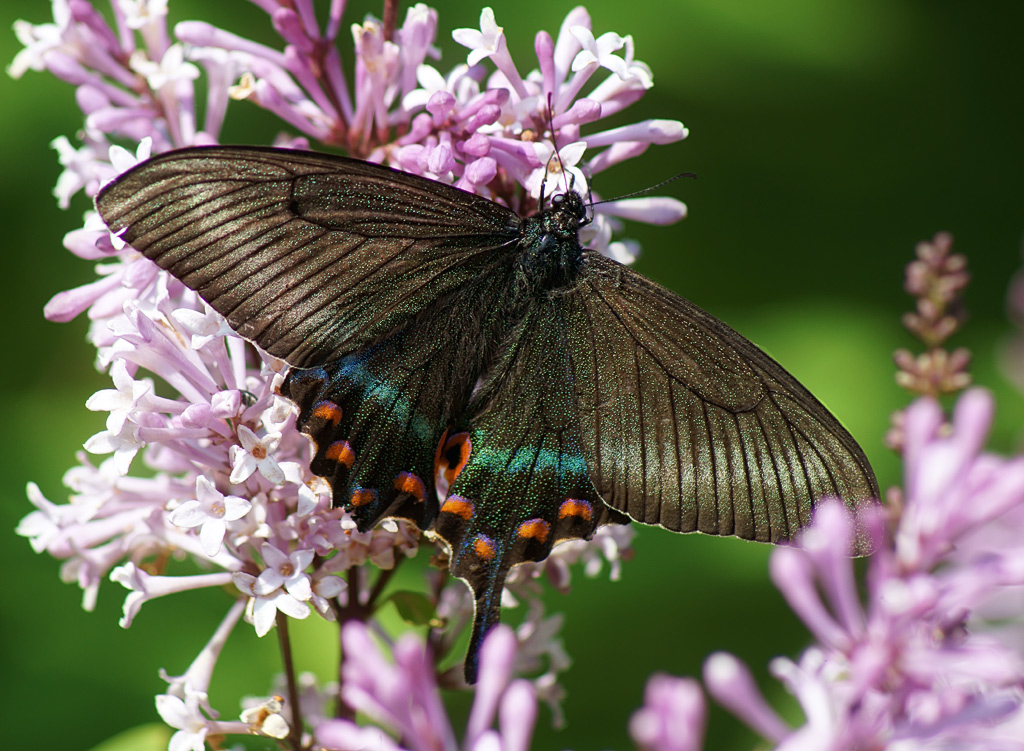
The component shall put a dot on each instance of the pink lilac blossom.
(402, 696)
(672, 718)
(214, 468)
(929, 660)
(916, 664)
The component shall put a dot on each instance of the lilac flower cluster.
(936, 279)
(929, 658)
(402, 696)
(224, 476)
(932, 658)
(493, 134)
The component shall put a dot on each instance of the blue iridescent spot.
(355, 369)
(531, 459)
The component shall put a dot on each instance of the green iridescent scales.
(435, 335)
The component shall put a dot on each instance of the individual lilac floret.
(910, 666)
(210, 511)
(673, 716)
(254, 454)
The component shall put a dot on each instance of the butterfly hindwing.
(374, 435)
(688, 425)
(522, 482)
(378, 415)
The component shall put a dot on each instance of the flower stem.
(382, 581)
(295, 727)
(390, 19)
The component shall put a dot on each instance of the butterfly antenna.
(590, 205)
(645, 190)
(555, 154)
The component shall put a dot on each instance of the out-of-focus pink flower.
(208, 464)
(900, 669)
(673, 716)
(404, 697)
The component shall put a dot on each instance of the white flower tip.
(117, 241)
(722, 669)
(275, 726)
(124, 575)
(583, 34)
(667, 131)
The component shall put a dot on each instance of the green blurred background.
(829, 138)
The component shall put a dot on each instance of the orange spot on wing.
(483, 546)
(328, 411)
(363, 496)
(459, 506)
(341, 452)
(407, 482)
(536, 528)
(573, 507)
(452, 455)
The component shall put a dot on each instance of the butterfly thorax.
(550, 251)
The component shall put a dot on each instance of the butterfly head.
(563, 219)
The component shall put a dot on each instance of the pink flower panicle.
(926, 660)
(215, 469)
(936, 279)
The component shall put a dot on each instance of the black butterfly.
(433, 333)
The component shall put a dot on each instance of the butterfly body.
(439, 341)
(549, 248)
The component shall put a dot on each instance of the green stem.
(295, 726)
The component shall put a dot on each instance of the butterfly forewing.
(308, 255)
(688, 425)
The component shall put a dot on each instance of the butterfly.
(480, 373)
